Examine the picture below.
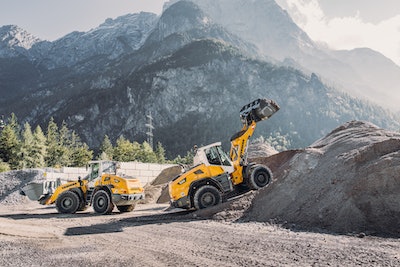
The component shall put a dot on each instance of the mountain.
(380, 73)
(188, 70)
(111, 39)
(15, 41)
(265, 24)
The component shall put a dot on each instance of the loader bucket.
(258, 110)
(37, 190)
(33, 191)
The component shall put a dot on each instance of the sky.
(348, 24)
(52, 19)
(338, 24)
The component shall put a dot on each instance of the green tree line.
(22, 147)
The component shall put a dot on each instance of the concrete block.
(142, 166)
(133, 173)
(155, 167)
(145, 173)
(128, 165)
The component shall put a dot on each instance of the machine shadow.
(117, 226)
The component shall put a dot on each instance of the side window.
(95, 171)
(212, 156)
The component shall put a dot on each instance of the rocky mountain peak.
(14, 40)
(111, 39)
(180, 17)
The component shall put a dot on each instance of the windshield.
(216, 156)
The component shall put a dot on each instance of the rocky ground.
(35, 235)
(333, 203)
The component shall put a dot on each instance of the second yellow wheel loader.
(102, 188)
(216, 175)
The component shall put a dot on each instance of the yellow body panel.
(120, 185)
(65, 187)
(180, 187)
(238, 150)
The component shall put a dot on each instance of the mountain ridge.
(194, 76)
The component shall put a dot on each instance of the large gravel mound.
(11, 183)
(346, 182)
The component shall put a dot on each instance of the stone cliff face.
(191, 73)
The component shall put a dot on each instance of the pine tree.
(146, 154)
(79, 153)
(66, 144)
(10, 144)
(27, 153)
(39, 147)
(124, 150)
(52, 145)
(106, 149)
(160, 153)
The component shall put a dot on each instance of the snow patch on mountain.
(14, 41)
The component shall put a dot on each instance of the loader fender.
(222, 183)
(79, 192)
(105, 188)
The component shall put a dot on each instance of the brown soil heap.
(348, 181)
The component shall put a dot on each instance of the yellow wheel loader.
(215, 175)
(102, 188)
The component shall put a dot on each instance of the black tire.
(126, 208)
(67, 202)
(102, 202)
(259, 177)
(206, 196)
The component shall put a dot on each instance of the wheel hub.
(67, 203)
(208, 199)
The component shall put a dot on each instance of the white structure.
(145, 172)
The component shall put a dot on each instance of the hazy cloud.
(346, 32)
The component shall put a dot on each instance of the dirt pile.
(12, 182)
(345, 182)
(260, 149)
(157, 190)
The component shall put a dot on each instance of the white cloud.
(347, 32)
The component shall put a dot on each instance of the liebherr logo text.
(68, 185)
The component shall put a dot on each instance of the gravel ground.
(34, 235)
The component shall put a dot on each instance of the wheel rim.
(101, 202)
(67, 203)
(261, 179)
(208, 199)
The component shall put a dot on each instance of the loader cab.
(213, 155)
(98, 167)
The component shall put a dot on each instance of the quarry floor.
(35, 235)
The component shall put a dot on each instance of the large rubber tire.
(206, 196)
(102, 203)
(67, 202)
(259, 177)
(126, 208)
